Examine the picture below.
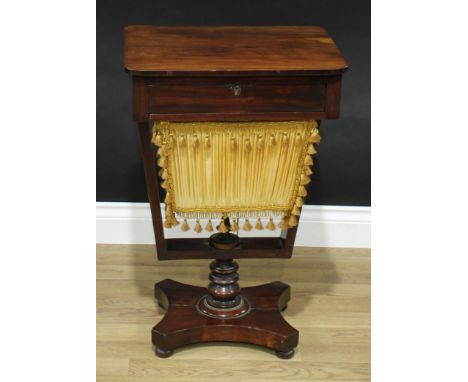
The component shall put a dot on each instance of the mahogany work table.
(205, 74)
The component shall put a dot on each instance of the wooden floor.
(330, 306)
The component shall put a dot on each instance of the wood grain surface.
(330, 306)
(163, 50)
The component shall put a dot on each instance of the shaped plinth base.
(261, 324)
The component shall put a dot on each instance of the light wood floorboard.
(330, 306)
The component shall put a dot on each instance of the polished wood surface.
(180, 99)
(252, 95)
(215, 50)
(258, 322)
(330, 306)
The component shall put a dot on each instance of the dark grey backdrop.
(342, 166)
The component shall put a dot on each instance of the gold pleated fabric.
(244, 170)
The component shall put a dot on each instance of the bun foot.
(163, 353)
(285, 354)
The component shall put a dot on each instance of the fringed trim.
(222, 227)
(198, 228)
(209, 226)
(287, 221)
(254, 214)
(185, 226)
(247, 226)
(164, 147)
(292, 222)
(284, 223)
(289, 218)
(235, 225)
(259, 225)
(312, 137)
(271, 226)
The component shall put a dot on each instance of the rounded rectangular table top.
(230, 50)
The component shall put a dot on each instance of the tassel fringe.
(259, 225)
(247, 226)
(235, 226)
(222, 227)
(271, 226)
(209, 226)
(166, 140)
(284, 223)
(292, 221)
(198, 228)
(185, 226)
(302, 191)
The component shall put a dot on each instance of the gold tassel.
(168, 198)
(162, 162)
(164, 184)
(173, 220)
(285, 139)
(167, 222)
(308, 160)
(248, 145)
(299, 139)
(182, 140)
(207, 142)
(171, 140)
(169, 210)
(314, 136)
(259, 225)
(296, 211)
(260, 142)
(292, 221)
(271, 225)
(299, 202)
(305, 180)
(157, 139)
(209, 226)
(198, 228)
(272, 140)
(307, 170)
(247, 226)
(311, 150)
(235, 226)
(233, 143)
(284, 223)
(162, 152)
(302, 191)
(195, 141)
(222, 227)
(163, 173)
(185, 226)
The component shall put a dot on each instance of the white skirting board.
(320, 226)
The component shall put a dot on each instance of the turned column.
(224, 289)
(224, 299)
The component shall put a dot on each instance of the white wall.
(320, 226)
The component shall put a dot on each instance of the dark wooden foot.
(285, 354)
(163, 353)
(184, 323)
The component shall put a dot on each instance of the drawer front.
(234, 95)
